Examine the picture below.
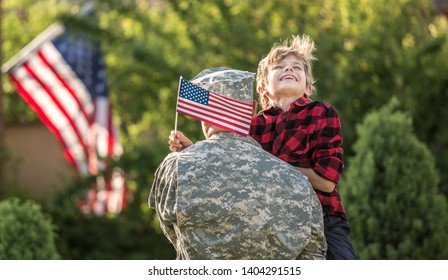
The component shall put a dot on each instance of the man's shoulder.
(168, 162)
(195, 152)
(277, 166)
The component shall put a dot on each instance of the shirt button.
(283, 116)
(277, 137)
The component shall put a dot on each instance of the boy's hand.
(178, 141)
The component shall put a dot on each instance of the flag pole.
(177, 114)
(2, 121)
(50, 33)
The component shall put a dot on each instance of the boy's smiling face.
(286, 79)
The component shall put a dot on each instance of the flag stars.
(85, 59)
(194, 93)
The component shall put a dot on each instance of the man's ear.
(254, 107)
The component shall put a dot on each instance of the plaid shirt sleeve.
(327, 156)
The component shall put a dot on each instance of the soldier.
(227, 198)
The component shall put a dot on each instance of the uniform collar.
(231, 135)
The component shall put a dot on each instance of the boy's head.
(300, 47)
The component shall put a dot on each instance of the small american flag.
(206, 106)
(62, 78)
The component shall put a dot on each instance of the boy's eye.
(278, 67)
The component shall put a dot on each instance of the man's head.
(236, 84)
(228, 82)
(295, 56)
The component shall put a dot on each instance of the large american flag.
(61, 75)
(230, 114)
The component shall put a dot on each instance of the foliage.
(26, 233)
(375, 50)
(133, 234)
(368, 51)
(392, 200)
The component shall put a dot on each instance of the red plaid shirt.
(308, 135)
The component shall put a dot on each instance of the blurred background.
(382, 65)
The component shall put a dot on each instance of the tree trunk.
(2, 123)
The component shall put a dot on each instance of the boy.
(304, 133)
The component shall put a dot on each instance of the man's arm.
(162, 197)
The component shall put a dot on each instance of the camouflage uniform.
(227, 198)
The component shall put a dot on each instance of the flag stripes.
(199, 111)
(229, 105)
(55, 104)
(62, 77)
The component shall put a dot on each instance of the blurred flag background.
(61, 75)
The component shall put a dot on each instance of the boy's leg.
(337, 233)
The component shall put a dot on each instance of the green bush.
(390, 191)
(26, 233)
(133, 234)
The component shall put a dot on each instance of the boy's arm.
(318, 182)
(178, 141)
(327, 163)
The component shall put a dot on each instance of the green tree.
(390, 191)
(371, 50)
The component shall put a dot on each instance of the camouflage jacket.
(226, 198)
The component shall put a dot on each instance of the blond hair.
(300, 46)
